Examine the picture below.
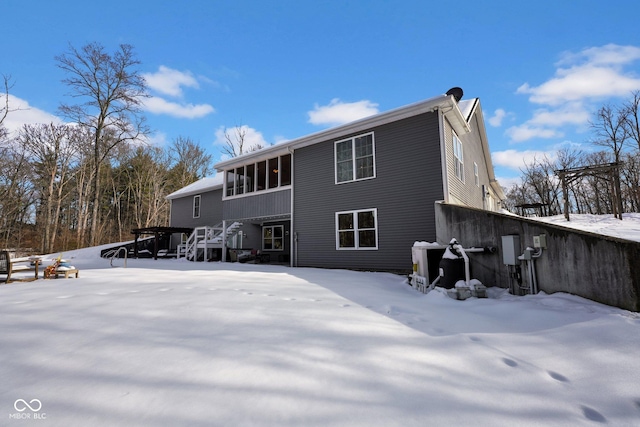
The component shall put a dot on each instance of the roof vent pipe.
(456, 92)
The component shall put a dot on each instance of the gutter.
(429, 105)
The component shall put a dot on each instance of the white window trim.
(476, 176)
(273, 227)
(355, 230)
(254, 183)
(255, 193)
(353, 158)
(456, 158)
(193, 208)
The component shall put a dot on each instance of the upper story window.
(196, 206)
(264, 175)
(355, 158)
(458, 157)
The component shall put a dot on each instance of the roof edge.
(406, 111)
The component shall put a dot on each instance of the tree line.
(93, 178)
(603, 178)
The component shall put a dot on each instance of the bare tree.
(539, 177)
(631, 115)
(16, 195)
(51, 150)
(111, 91)
(611, 132)
(144, 171)
(631, 181)
(236, 142)
(189, 163)
(4, 108)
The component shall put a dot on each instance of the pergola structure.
(607, 171)
(541, 209)
(157, 232)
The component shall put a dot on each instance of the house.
(356, 196)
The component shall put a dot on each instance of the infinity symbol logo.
(24, 405)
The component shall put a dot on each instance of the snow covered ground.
(628, 228)
(174, 343)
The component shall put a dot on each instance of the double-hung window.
(355, 158)
(273, 238)
(458, 157)
(196, 206)
(357, 229)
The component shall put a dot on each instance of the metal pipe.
(535, 255)
(467, 272)
(115, 254)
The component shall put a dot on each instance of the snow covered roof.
(466, 107)
(205, 184)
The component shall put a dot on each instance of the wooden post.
(565, 194)
(135, 245)
(156, 237)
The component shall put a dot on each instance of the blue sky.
(285, 69)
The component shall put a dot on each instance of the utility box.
(426, 258)
(540, 241)
(510, 250)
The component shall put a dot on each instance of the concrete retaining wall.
(600, 268)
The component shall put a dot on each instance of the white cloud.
(21, 113)
(509, 182)
(570, 113)
(581, 81)
(497, 118)
(546, 123)
(158, 139)
(525, 132)
(591, 74)
(279, 139)
(514, 159)
(608, 54)
(169, 81)
(251, 138)
(159, 105)
(338, 112)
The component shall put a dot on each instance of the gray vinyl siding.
(210, 210)
(467, 192)
(278, 256)
(476, 199)
(256, 206)
(456, 186)
(408, 182)
(252, 239)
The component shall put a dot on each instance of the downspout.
(206, 244)
(443, 157)
(293, 242)
(171, 235)
(224, 241)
